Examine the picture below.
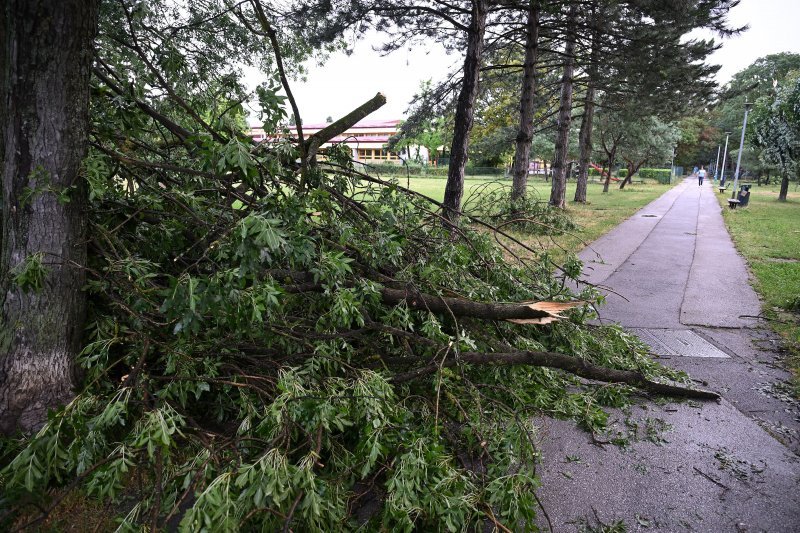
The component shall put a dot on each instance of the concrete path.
(674, 278)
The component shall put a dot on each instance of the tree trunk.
(633, 168)
(46, 60)
(585, 135)
(585, 142)
(465, 110)
(522, 152)
(784, 188)
(611, 157)
(558, 188)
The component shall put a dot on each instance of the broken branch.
(519, 313)
(313, 143)
(570, 364)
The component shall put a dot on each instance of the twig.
(711, 479)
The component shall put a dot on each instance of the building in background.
(367, 141)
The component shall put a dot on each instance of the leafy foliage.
(776, 125)
(241, 368)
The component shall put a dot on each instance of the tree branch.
(570, 364)
(313, 143)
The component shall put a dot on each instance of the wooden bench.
(732, 203)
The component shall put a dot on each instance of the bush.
(661, 175)
(593, 171)
(416, 169)
(491, 201)
(412, 169)
(622, 173)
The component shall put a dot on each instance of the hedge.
(429, 171)
(661, 175)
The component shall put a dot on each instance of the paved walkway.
(675, 278)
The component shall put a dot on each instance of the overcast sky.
(344, 82)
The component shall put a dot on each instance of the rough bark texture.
(47, 50)
(585, 134)
(558, 187)
(522, 152)
(784, 188)
(465, 111)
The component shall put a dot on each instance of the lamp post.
(747, 106)
(724, 157)
(672, 166)
(716, 165)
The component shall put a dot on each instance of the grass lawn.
(601, 213)
(767, 233)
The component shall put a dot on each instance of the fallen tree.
(272, 352)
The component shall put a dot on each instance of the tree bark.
(47, 55)
(522, 152)
(558, 188)
(585, 134)
(611, 156)
(632, 168)
(465, 111)
(469, 308)
(783, 194)
(315, 141)
(568, 363)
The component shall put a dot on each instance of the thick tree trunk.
(522, 152)
(47, 54)
(558, 188)
(784, 188)
(585, 134)
(465, 110)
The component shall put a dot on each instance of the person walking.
(700, 175)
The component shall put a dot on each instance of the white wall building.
(367, 141)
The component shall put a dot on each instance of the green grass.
(767, 233)
(601, 213)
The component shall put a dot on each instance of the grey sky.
(344, 82)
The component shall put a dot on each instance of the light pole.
(747, 106)
(672, 166)
(716, 165)
(724, 157)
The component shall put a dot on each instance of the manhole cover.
(681, 342)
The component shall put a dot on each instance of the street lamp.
(724, 157)
(747, 107)
(672, 166)
(716, 165)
